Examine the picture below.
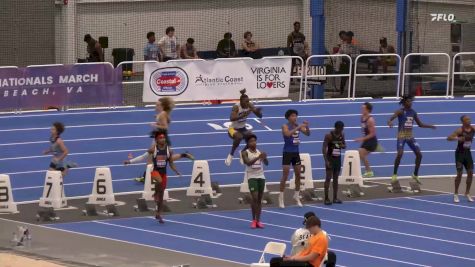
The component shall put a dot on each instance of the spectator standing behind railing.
(169, 45)
(226, 47)
(297, 45)
(249, 47)
(151, 50)
(351, 50)
(94, 49)
(188, 51)
(386, 61)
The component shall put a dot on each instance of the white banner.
(217, 79)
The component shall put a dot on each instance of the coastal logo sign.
(170, 81)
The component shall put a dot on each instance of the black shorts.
(57, 167)
(335, 164)
(291, 158)
(463, 159)
(370, 145)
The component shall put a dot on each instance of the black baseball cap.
(308, 215)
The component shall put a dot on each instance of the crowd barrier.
(101, 83)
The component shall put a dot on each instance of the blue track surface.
(104, 138)
(419, 231)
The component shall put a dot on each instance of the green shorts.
(256, 184)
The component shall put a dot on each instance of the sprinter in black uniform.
(331, 150)
(463, 155)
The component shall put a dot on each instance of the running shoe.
(297, 200)
(337, 201)
(281, 201)
(228, 160)
(394, 178)
(327, 202)
(469, 198)
(159, 218)
(259, 225)
(254, 224)
(415, 177)
(368, 174)
(456, 199)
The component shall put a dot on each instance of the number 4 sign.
(200, 183)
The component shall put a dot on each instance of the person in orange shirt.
(313, 254)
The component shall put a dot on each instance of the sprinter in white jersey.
(237, 131)
(300, 238)
(254, 161)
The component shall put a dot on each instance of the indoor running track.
(98, 138)
(409, 231)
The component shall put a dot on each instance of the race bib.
(257, 165)
(336, 152)
(409, 122)
(296, 139)
(467, 144)
(161, 161)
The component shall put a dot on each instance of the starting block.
(310, 195)
(204, 202)
(7, 205)
(351, 174)
(46, 214)
(53, 192)
(354, 190)
(306, 179)
(395, 187)
(201, 187)
(102, 190)
(414, 187)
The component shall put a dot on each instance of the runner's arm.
(455, 135)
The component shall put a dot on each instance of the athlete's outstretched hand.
(390, 124)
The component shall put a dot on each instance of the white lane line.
(381, 244)
(393, 219)
(442, 203)
(319, 103)
(147, 136)
(416, 211)
(378, 229)
(332, 248)
(177, 236)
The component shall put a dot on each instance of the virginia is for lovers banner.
(217, 79)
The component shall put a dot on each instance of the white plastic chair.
(274, 248)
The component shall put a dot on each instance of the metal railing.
(329, 75)
(460, 72)
(293, 76)
(401, 89)
(398, 74)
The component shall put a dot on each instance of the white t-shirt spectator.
(169, 46)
